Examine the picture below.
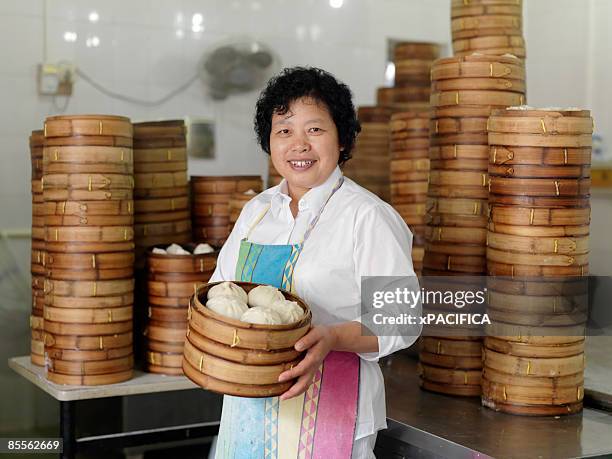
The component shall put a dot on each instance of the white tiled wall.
(147, 48)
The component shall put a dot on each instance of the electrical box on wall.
(55, 79)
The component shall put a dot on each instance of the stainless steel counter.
(425, 424)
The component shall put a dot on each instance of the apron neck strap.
(313, 222)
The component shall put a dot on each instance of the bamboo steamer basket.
(89, 380)
(415, 50)
(533, 381)
(533, 350)
(90, 141)
(533, 287)
(478, 66)
(160, 129)
(532, 396)
(452, 377)
(89, 368)
(220, 374)
(89, 302)
(451, 361)
(163, 192)
(160, 346)
(72, 355)
(464, 390)
(87, 343)
(457, 348)
(538, 245)
(532, 304)
(225, 184)
(159, 156)
(534, 366)
(38, 251)
(237, 203)
(540, 156)
(525, 216)
(534, 335)
(274, 178)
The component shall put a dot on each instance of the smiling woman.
(316, 234)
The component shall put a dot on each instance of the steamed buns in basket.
(241, 336)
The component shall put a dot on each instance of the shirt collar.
(313, 199)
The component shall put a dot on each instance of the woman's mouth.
(302, 165)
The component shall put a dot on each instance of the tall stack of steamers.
(89, 240)
(537, 255)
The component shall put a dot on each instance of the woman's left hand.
(319, 341)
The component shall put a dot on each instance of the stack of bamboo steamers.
(38, 261)
(464, 92)
(409, 149)
(492, 27)
(370, 164)
(539, 168)
(211, 210)
(161, 192)
(172, 280)
(87, 188)
(411, 89)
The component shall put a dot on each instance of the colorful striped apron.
(317, 424)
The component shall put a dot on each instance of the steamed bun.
(228, 289)
(228, 306)
(159, 251)
(261, 315)
(264, 295)
(289, 311)
(203, 248)
(175, 249)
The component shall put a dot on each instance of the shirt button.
(302, 205)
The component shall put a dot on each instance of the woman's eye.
(316, 129)
(283, 131)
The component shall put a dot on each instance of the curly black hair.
(297, 82)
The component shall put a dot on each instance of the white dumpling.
(228, 306)
(261, 315)
(159, 251)
(228, 289)
(250, 192)
(264, 295)
(289, 311)
(175, 249)
(203, 248)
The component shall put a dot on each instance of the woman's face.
(304, 144)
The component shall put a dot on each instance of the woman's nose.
(300, 145)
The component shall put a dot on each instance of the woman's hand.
(319, 341)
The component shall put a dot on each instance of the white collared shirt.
(357, 235)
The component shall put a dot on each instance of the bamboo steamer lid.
(87, 125)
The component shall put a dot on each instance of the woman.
(317, 233)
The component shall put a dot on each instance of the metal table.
(431, 425)
(141, 383)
